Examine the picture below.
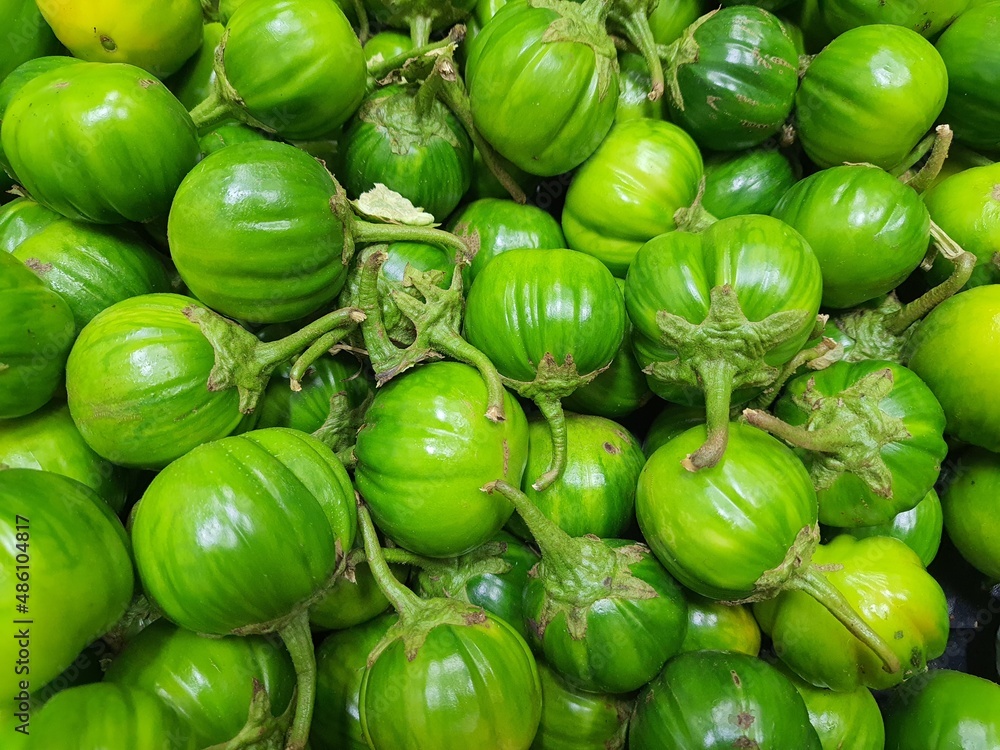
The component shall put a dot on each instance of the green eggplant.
(844, 721)
(746, 182)
(732, 77)
(970, 510)
(196, 79)
(446, 675)
(157, 35)
(386, 45)
(918, 528)
(425, 451)
(223, 566)
(926, 17)
(47, 440)
(152, 377)
(972, 62)
(712, 700)
(35, 341)
(211, 683)
(746, 530)
(603, 612)
(490, 226)
(869, 231)
(596, 492)
(634, 85)
(34, 37)
(629, 190)
(20, 219)
(943, 709)
(93, 162)
(574, 719)
(870, 433)
(354, 599)
(292, 67)
(713, 626)
(280, 251)
(670, 423)
(408, 140)
(869, 96)
(967, 207)
(105, 716)
(718, 313)
(93, 267)
(227, 134)
(885, 581)
(341, 661)
(68, 568)
(549, 320)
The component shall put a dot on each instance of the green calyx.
(724, 352)
(263, 730)
(417, 617)
(410, 117)
(223, 101)
(884, 332)
(695, 218)
(684, 51)
(576, 572)
(798, 573)
(553, 382)
(845, 433)
(244, 363)
(447, 578)
(420, 16)
(584, 24)
(339, 431)
(435, 315)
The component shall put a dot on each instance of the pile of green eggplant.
(500, 374)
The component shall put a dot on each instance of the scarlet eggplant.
(428, 500)
(970, 510)
(745, 530)
(48, 440)
(634, 85)
(843, 720)
(223, 566)
(869, 231)
(420, 17)
(884, 580)
(446, 675)
(20, 219)
(869, 96)
(710, 700)
(67, 562)
(354, 598)
(23, 18)
(275, 66)
(717, 314)
(529, 45)
(281, 250)
(405, 138)
(927, 17)
(628, 191)
(212, 683)
(604, 612)
(550, 320)
(732, 77)
(196, 79)
(65, 142)
(870, 433)
(596, 492)
(154, 376)
(35, 340)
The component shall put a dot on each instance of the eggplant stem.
(899, 321)
(636, 25)
(717, 384)
(923, 177)
(369, 233)
(819, 441)
(551, 409)
(298, 640)
(404, 601)
(811, 581)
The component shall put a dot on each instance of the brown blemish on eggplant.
(37, 266)
(613, 450)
